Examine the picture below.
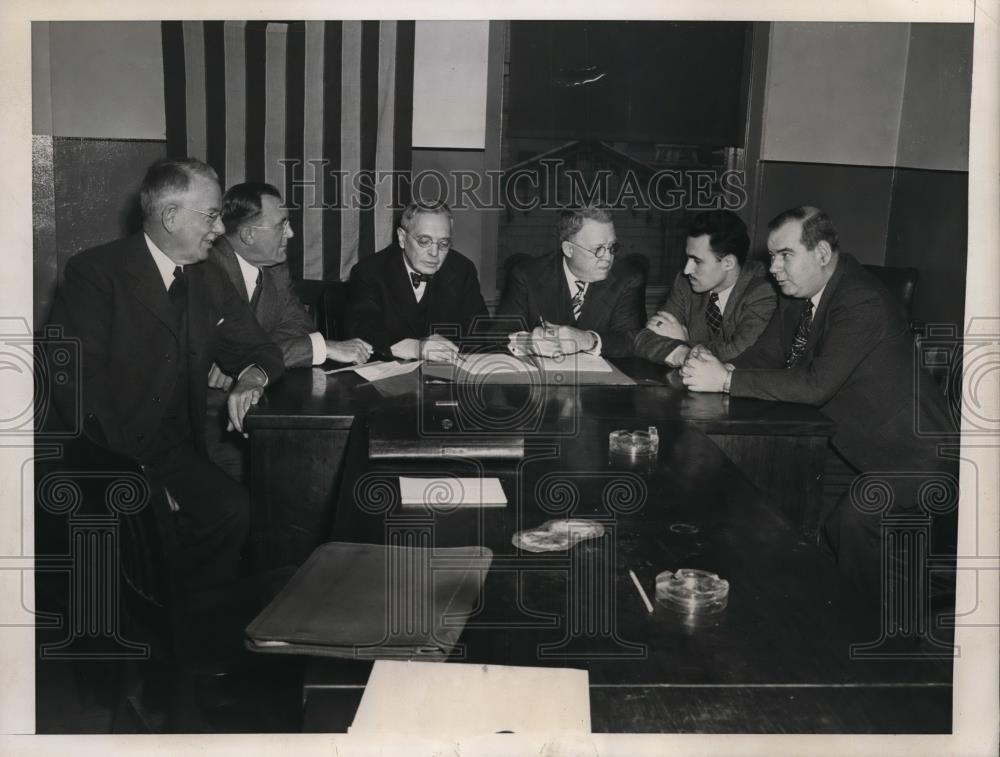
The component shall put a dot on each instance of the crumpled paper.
(557, 535)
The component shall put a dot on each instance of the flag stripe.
(274, 121)
(174, 88)
(369, 127)
(295, 67)
(403, 112)
(386, 85)
(350, 144)
(194, 69)
(236, 102)
(215, 98)
(256, 75)
(311, 196)
(333, 198)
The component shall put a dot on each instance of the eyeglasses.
(281, 226)
(424, 242)
(213, 216)
(604, 251)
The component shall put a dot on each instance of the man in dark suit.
(151, 320)
(252, 253)
(838, 341)
(571, 299)
(719, 300)
(419, 297)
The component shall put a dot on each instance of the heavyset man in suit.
(719, 300)
(151, 321)
(419, 297)
(838, 341)
(572, 299)
(252, 253)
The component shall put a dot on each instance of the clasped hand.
(555, 341)
(703, 372)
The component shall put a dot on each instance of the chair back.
(901, 283)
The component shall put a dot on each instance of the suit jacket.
(859, 367)
(279, 310)
(382, 308)
(537, 289)
(113, 300)
(748, 310)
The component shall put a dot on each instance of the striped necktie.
(713, 316)
(801, 335)
(255, 297)
(578, 299)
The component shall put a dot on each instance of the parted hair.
(816, 226)
(571, 220)
(242, 203)
(727, 234)
(169, 176)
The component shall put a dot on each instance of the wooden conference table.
(777, 659)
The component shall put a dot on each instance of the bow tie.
(416, 278)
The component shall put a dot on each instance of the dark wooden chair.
(326, 301)
(901, 283)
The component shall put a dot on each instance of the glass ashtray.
(634, 444)
(692, 592)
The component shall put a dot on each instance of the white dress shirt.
(571, 280)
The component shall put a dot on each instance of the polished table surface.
(777, 659)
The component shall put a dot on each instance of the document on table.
(449, 698)
(493, 362)
(385, 369)
(450, 493)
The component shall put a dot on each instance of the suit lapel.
(598, 301)
(225, 256)
(819, 317)
(149, 289)
(401, 288)
(556, 294)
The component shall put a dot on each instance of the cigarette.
(642, 593)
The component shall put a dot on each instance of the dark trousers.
(211, 525)
(227, 449)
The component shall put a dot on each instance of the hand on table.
(703, 371)
(351, 351)
(247, 392)
(555, 341)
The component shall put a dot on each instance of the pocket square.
(219, 322)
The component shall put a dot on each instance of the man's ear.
(246, 235)
(567, 249)
(401, 236)
(823, 252)
(728, 262)
(168, 217)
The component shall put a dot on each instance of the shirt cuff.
(263, 373)
(729, 378)
(319, 348)
(673, 360)
(596, 349)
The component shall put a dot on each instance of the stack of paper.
(450, 493)
(431, 699)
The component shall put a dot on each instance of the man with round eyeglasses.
(417, 298)
(572, 300)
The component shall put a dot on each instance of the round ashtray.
(634, 443)
(692, 592)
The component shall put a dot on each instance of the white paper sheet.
(376, 371)
(449, 493)
(432, 699)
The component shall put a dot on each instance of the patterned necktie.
(578, 300)
(801, 335)
(713, 316)
(416, 278)
(178, 292)
(255, 297)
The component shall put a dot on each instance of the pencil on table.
(642, 593)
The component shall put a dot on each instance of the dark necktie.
(578, 300)
(178, 292)
(801, 335)
(417, 278)
(255, 297)
(713, 316)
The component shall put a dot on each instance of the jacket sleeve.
(291, 333)
(83, 311)
(654, 347)
(241, 340)
(854, 327)
(625, 320)
(753, 314)
(365, 316)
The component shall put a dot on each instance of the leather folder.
(368, 601)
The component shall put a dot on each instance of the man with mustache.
(252, 253)
(151, 319)
(839, 341)
(571, 299)
(719, 300)
(417, 298)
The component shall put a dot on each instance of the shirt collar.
(724, 297)
(249, 271)
(572, 278)
(816, 298)
(163, 264)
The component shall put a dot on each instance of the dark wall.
(928, 231)
(85, 179)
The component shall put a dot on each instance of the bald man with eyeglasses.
(576, 299)
(417, 298)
